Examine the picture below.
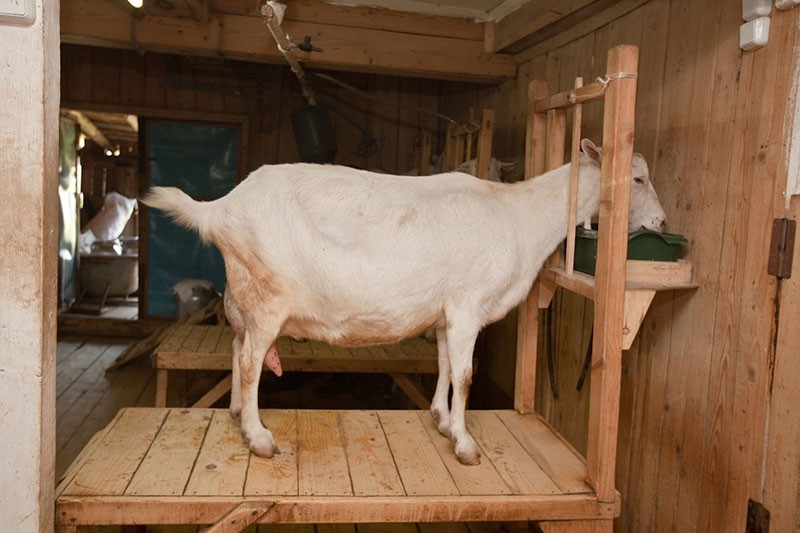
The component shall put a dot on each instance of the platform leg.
(161, 388)
(240, 517)
(412, 391)
(577, 526)
(218, 391)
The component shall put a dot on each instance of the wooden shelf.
(644, 279)
(192, 466)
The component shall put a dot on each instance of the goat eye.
(638, 180)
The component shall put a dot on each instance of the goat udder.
(273, 361)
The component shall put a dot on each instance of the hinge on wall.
(781, 248)
(757, 518)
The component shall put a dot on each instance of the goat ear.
(590, 149)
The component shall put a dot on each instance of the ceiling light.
(136, 3)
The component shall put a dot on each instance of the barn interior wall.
(711, 121)
(370, 133)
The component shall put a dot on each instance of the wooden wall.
(711, 120)
(370, 134)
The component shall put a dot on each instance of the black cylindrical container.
(314, 135)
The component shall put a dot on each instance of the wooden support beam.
(485, 136)
(244, 37)
(529, 19)
(609, 294)
(89, 129)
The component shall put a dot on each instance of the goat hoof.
(467, 451)
(264, 445)
(236, 413)
(469, 458)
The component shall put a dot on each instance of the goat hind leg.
(251, 361)
(440, 409)
(236, 383)
(460, 343)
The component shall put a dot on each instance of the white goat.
(353, 258)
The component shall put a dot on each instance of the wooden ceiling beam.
(89, 129)
(245, 37)
(537, 21)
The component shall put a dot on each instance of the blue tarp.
(202, 160)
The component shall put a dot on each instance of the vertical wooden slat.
(485, 137)
(528, 315)
(620, 104)
(575, 165)
(535, 131)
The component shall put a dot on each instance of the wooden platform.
(210, 348)
(191, 466)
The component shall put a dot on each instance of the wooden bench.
(194, 347)
(191, 466)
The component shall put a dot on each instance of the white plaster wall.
(29, 99)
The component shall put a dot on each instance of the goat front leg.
(440, 408)
(251, 361)
(460, 344)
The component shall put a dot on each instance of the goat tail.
(182, 208)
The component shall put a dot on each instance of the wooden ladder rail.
(542, 153)
(458, 144)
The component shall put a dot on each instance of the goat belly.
(273, 361)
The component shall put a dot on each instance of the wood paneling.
(711, 121)
(261, 97)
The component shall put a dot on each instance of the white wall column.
(29, 102)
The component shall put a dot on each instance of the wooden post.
(528, 317)
(425, 153)
(485, 136)
(573, 181)
(618, 130)
(536, 130)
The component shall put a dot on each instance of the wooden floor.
(88, 399)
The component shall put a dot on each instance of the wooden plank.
(165, 469)
(573, 181)
(321, 462)
(210, 340)
(418, 461)
(365, 17)
(115, 460)
(618, 127)
(486, 134)
(529, 19)
(557, 35)
(221, 466)
(482, 478)
(517, 468)
(276, 475)
(244, 37)
(372, 468)
(564, 466)
(333, 509)
(782, 477)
